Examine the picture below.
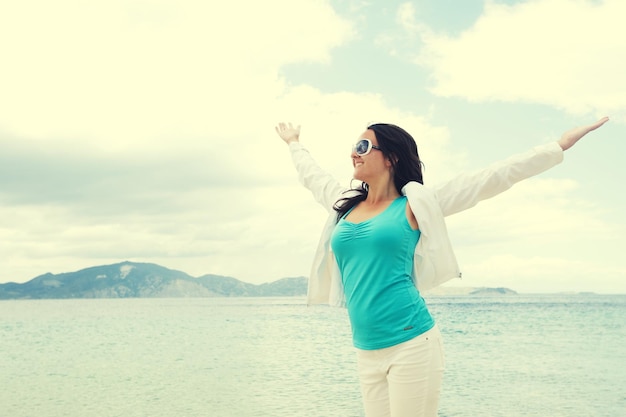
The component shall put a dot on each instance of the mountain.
(493, 291)
(443, 290)
(132, 279)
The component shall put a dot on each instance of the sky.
(144, 130)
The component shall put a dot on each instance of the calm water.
(506, 356)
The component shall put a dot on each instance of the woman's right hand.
(572, 136)
(288, 133)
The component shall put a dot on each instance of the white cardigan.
(434, 261)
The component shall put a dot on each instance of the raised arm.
(569, 138)
(466, 190)
(288, 133)
(325, 189)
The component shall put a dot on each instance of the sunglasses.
(363, 147)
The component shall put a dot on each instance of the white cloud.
(542, 273)
(138, 73)
(561, 53)
(406, 15)
(539, 237)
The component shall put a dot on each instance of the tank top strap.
(348, 212)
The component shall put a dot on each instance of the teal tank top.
(375, 258)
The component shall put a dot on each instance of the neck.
(381, 192)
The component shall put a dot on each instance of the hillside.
(132, 279)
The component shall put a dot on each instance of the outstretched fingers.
(287, 132)
(598, 124)
(569, 138)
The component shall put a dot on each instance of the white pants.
(403, 380)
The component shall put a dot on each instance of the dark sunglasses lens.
(362, 147)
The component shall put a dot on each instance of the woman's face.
(372, 165)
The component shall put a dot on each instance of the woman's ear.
(388, 160)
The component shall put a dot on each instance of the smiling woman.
(385, 242)
(394, 141)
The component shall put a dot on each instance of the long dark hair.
(400, 148)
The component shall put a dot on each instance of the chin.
(358, 177)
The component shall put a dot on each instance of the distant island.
(478, 291)
(146, 280)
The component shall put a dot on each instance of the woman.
(385, 241)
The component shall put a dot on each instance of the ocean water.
(513, 356)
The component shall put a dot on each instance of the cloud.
(539, 236)
(560, 53)
(542, 273)
(57, 172)
(138, 73)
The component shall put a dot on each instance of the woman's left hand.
(569, 138)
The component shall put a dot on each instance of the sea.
(510, 356)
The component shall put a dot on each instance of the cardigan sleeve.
(466, 190)
(325, 189)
